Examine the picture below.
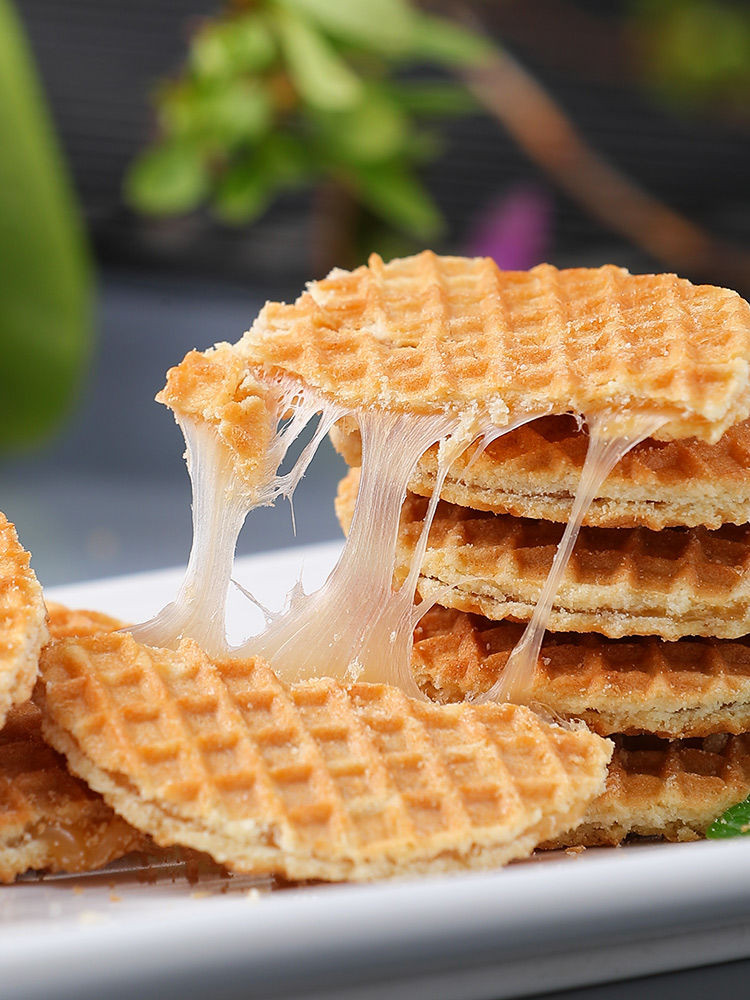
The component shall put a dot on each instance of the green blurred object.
(45, 272)
(283, 93)
(696, 52)
(735, 822)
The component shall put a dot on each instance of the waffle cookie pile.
(412, 361)
(310, 752)
(648, 632)
(49, 819)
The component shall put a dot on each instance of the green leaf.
(210, 56)
(215, 115)
(435, 99)
(167, 180)
(393, 192)
(45, 270)
(252, 43)
(179, 108)
(735, 822)
(221, 49)
(322, 78)
(438, 40)
(243, 193)
(237, 111)
(284, 158)
(383, 26)
(374, 130)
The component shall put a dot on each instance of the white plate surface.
(556, 922)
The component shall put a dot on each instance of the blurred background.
(167, 165)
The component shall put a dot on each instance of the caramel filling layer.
(357, 626)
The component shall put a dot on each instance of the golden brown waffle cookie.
(48, 818)
(23, 621)
(619, 581)
(64, 623)
(534, 472)
(311, 781)
(694, 687)
(661, 788)
(428, 333)
(216, 388)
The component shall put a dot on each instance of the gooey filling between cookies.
(357, 623)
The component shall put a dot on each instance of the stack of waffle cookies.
(322, 778)
(647, 638)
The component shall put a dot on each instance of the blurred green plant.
(45, 275)
(696, 52)
(277, 94)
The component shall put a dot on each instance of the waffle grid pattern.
(428, 332)
(689, 688)
(312, 777)
(672, 583)
(64, 622)
(534, 470)
(659, 788)
(48, 818)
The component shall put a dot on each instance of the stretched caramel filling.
(72, 848)
(357, 626)
(602, 455)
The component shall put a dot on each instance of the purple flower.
(515, 230)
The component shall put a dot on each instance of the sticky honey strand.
(357, 626)
(221, 502)
(602, 454)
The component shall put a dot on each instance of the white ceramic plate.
(551, 923)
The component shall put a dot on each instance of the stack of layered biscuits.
(648, 632)
(320, 769)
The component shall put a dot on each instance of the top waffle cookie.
(428, 333)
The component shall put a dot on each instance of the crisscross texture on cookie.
(665, 788)
(310, 781)
(620, 581)
(429, 333)
(693, 687)
(534, 471)
(48, 818)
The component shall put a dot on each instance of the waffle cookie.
(215, 388)
(23, 626)
(427, 333)
(672, 583)
(48, 818)
(690, 688)
(534, 471)
(64, 623)
(672, 789)
(311, 781)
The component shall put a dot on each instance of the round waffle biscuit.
(309, 781)
(534, 471)
(690, 688)
(671, 789)
(426, 334)
(619, 581)
(23, 625)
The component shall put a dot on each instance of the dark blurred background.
(601, 133)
